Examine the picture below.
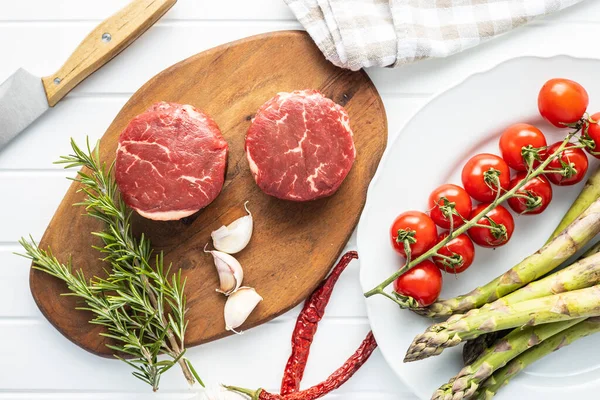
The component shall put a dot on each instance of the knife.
(24, 97)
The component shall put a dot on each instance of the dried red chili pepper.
(306, 326)
(334, 381)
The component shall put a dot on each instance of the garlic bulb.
(234, 237)
(229, 269)
(239, 306)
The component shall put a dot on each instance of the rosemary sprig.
(142, 309)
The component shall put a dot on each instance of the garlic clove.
(239, 306)
(219, 393)
(234, 237)
(229, 269)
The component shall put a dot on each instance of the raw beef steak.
(170, 161)
(300, 146)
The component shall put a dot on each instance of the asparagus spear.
(589, 194)
(584, 273)
(579, 275)
(567, 243)
(559, 307)
(591, 251)
(464, 385)
(490, 386)
(475, 347)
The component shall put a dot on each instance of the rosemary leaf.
(140, 305)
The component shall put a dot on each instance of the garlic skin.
(234, 237)
(230, 271)
(219, 393)
(239, 306)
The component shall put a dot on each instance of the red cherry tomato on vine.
(562, 101)
(423, 283)
(538, 191)
(572, 161)
(449, 198)
(415, 227)
(497, 229)
(518, 142)
(461, 251)
(482, 174)
(594, 134)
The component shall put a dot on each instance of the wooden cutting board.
(294, 244)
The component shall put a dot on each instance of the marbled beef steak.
(300, 146)
(170, 161)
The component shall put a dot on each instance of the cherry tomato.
(460, 249)
(502, 224)
(482, 174)
(517, 143)
(538, 191)
(449, 198)
(423, 283)
(594, 134)
(415, 227)
(572, 161)
(562, 101)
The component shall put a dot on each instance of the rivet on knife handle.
(107, 40)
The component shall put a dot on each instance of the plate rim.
(360, 226)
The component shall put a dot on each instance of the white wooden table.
(36, 362)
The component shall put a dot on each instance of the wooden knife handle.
(107, 40)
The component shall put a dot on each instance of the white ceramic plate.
(431, 149)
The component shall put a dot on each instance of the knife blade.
(22, 101)
(25, 97)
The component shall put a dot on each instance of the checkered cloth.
(363, 33)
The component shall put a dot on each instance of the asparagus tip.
(448, 392)
(431, 343)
